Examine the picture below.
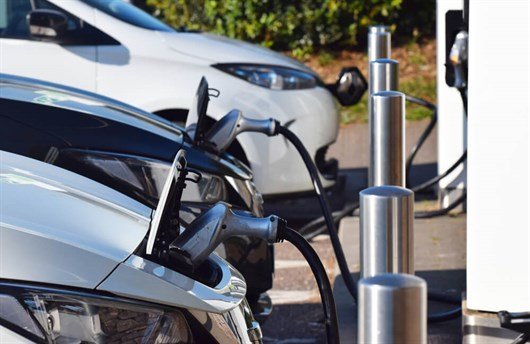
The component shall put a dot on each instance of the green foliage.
(416, 57)
(423, 88)
(301, 26)
(325, 58)
(417, 18)
(304, 27)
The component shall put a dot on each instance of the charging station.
(452, 140)
(498, 230)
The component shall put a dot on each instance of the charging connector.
(216, 225)
(224, 132)
(219, 223)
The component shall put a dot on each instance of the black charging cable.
(317, 226)
(324, 204)
(521, 339)
(321, 277)
(440, 212)
(518, 322)
(423, 137)
(427, 184)
(331, 226)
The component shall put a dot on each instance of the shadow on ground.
(305, 207)
(295, 324)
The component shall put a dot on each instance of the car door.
(72, 62)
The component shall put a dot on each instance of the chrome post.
(387, 139)
(379, 42)
(387, 237)
(383, 75)
(378, 48)
(392, 309)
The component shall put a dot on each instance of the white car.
(115, 49)
(73, 269)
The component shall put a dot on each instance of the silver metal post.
(387, 139)
(387, 233)
(392, 309)
(379, 42)
(383, 75)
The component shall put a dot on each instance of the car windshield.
(128, 13)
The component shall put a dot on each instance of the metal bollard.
(392, 309)
(383, 75)
(379, 42)
(387, 139)
(387, 233)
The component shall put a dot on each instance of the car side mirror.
(350, 86)
(47, 24)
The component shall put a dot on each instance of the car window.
(79, 32)
(129, 13)
(14, 24)
(13, 18)
(74, 23)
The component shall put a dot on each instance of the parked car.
(115, 49)
(73, 269)
(130, 150)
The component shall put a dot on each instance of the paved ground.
(297, 314)
(297, 317)
(439, 252)
(351, 148)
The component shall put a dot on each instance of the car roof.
(51, 94)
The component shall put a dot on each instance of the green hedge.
(300, 26)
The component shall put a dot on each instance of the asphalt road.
(440, 250)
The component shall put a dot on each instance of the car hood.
(46, 94)
(219, 49)
(61, 228)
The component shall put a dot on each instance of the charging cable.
(331, 226)
(317, 226)
(219, 223)
(225, 131)
(324, 286)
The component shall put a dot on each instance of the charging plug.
(224, 132)
(216, 225)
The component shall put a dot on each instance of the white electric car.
(73, 269)
(115, 49)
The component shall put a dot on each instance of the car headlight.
(56, 316)
(273, 77)
(138, 177)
